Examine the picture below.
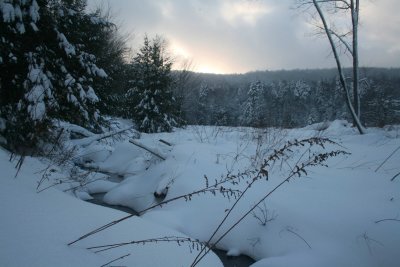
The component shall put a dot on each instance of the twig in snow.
(19, 165)
(387, 158)
(146, 148)
(127, 255)
(385, 220)
(84, 142)
(368, 242)
(165, 142)
(194, 244)
(101, 228)
(262, 214)
(110, 134)
(298, 235)
(394, 177)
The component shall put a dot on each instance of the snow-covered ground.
(331, 217)
(35, 228)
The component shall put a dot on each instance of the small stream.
(228, 261)
(98, 200)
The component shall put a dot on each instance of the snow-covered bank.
(36, 228)
(333, 209)
(332, 217)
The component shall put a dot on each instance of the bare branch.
(136, 143)
(119, 258)
(344, 4)
(385, 220)
(193, 243)
(394, 177)
(89, 140)
(298, 235)
(346, 44)
(391, 154)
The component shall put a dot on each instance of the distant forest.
(287, 98)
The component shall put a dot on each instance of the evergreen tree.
(46, 71)
(77, 63)
(109, 46)
(203, 110)
(253, 108)
(155, 109)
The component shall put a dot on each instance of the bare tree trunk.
(340, 70)
(354, 19)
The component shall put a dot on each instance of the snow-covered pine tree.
(25, 87)
(109, 45)
(254, 107)
(300, 102)
(75, 64)
(155, 109)
(203, 110)
(44, 75)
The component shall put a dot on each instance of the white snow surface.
(330, 218)
(333, 209)
(35, 228)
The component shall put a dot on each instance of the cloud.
(248, 12)
(243, 35)
(380, 25)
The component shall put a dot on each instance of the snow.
(34, 11)
(34, 74)
(36, 95)
(36, 228)
(74, 128)
(34, 27)
(91, 95)
(82, 94)
(21, 28)
(18, 12)
(126, 159)
(100, 72)
(71, 98)
(96, 115)
(100, 186)
(37, 111)
(69, 80)
(87, 61)
(330, 218)
(67, 46)
(333, 209)
(8, 12)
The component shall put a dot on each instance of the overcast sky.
(236, 36)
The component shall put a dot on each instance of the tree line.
(290, 98)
